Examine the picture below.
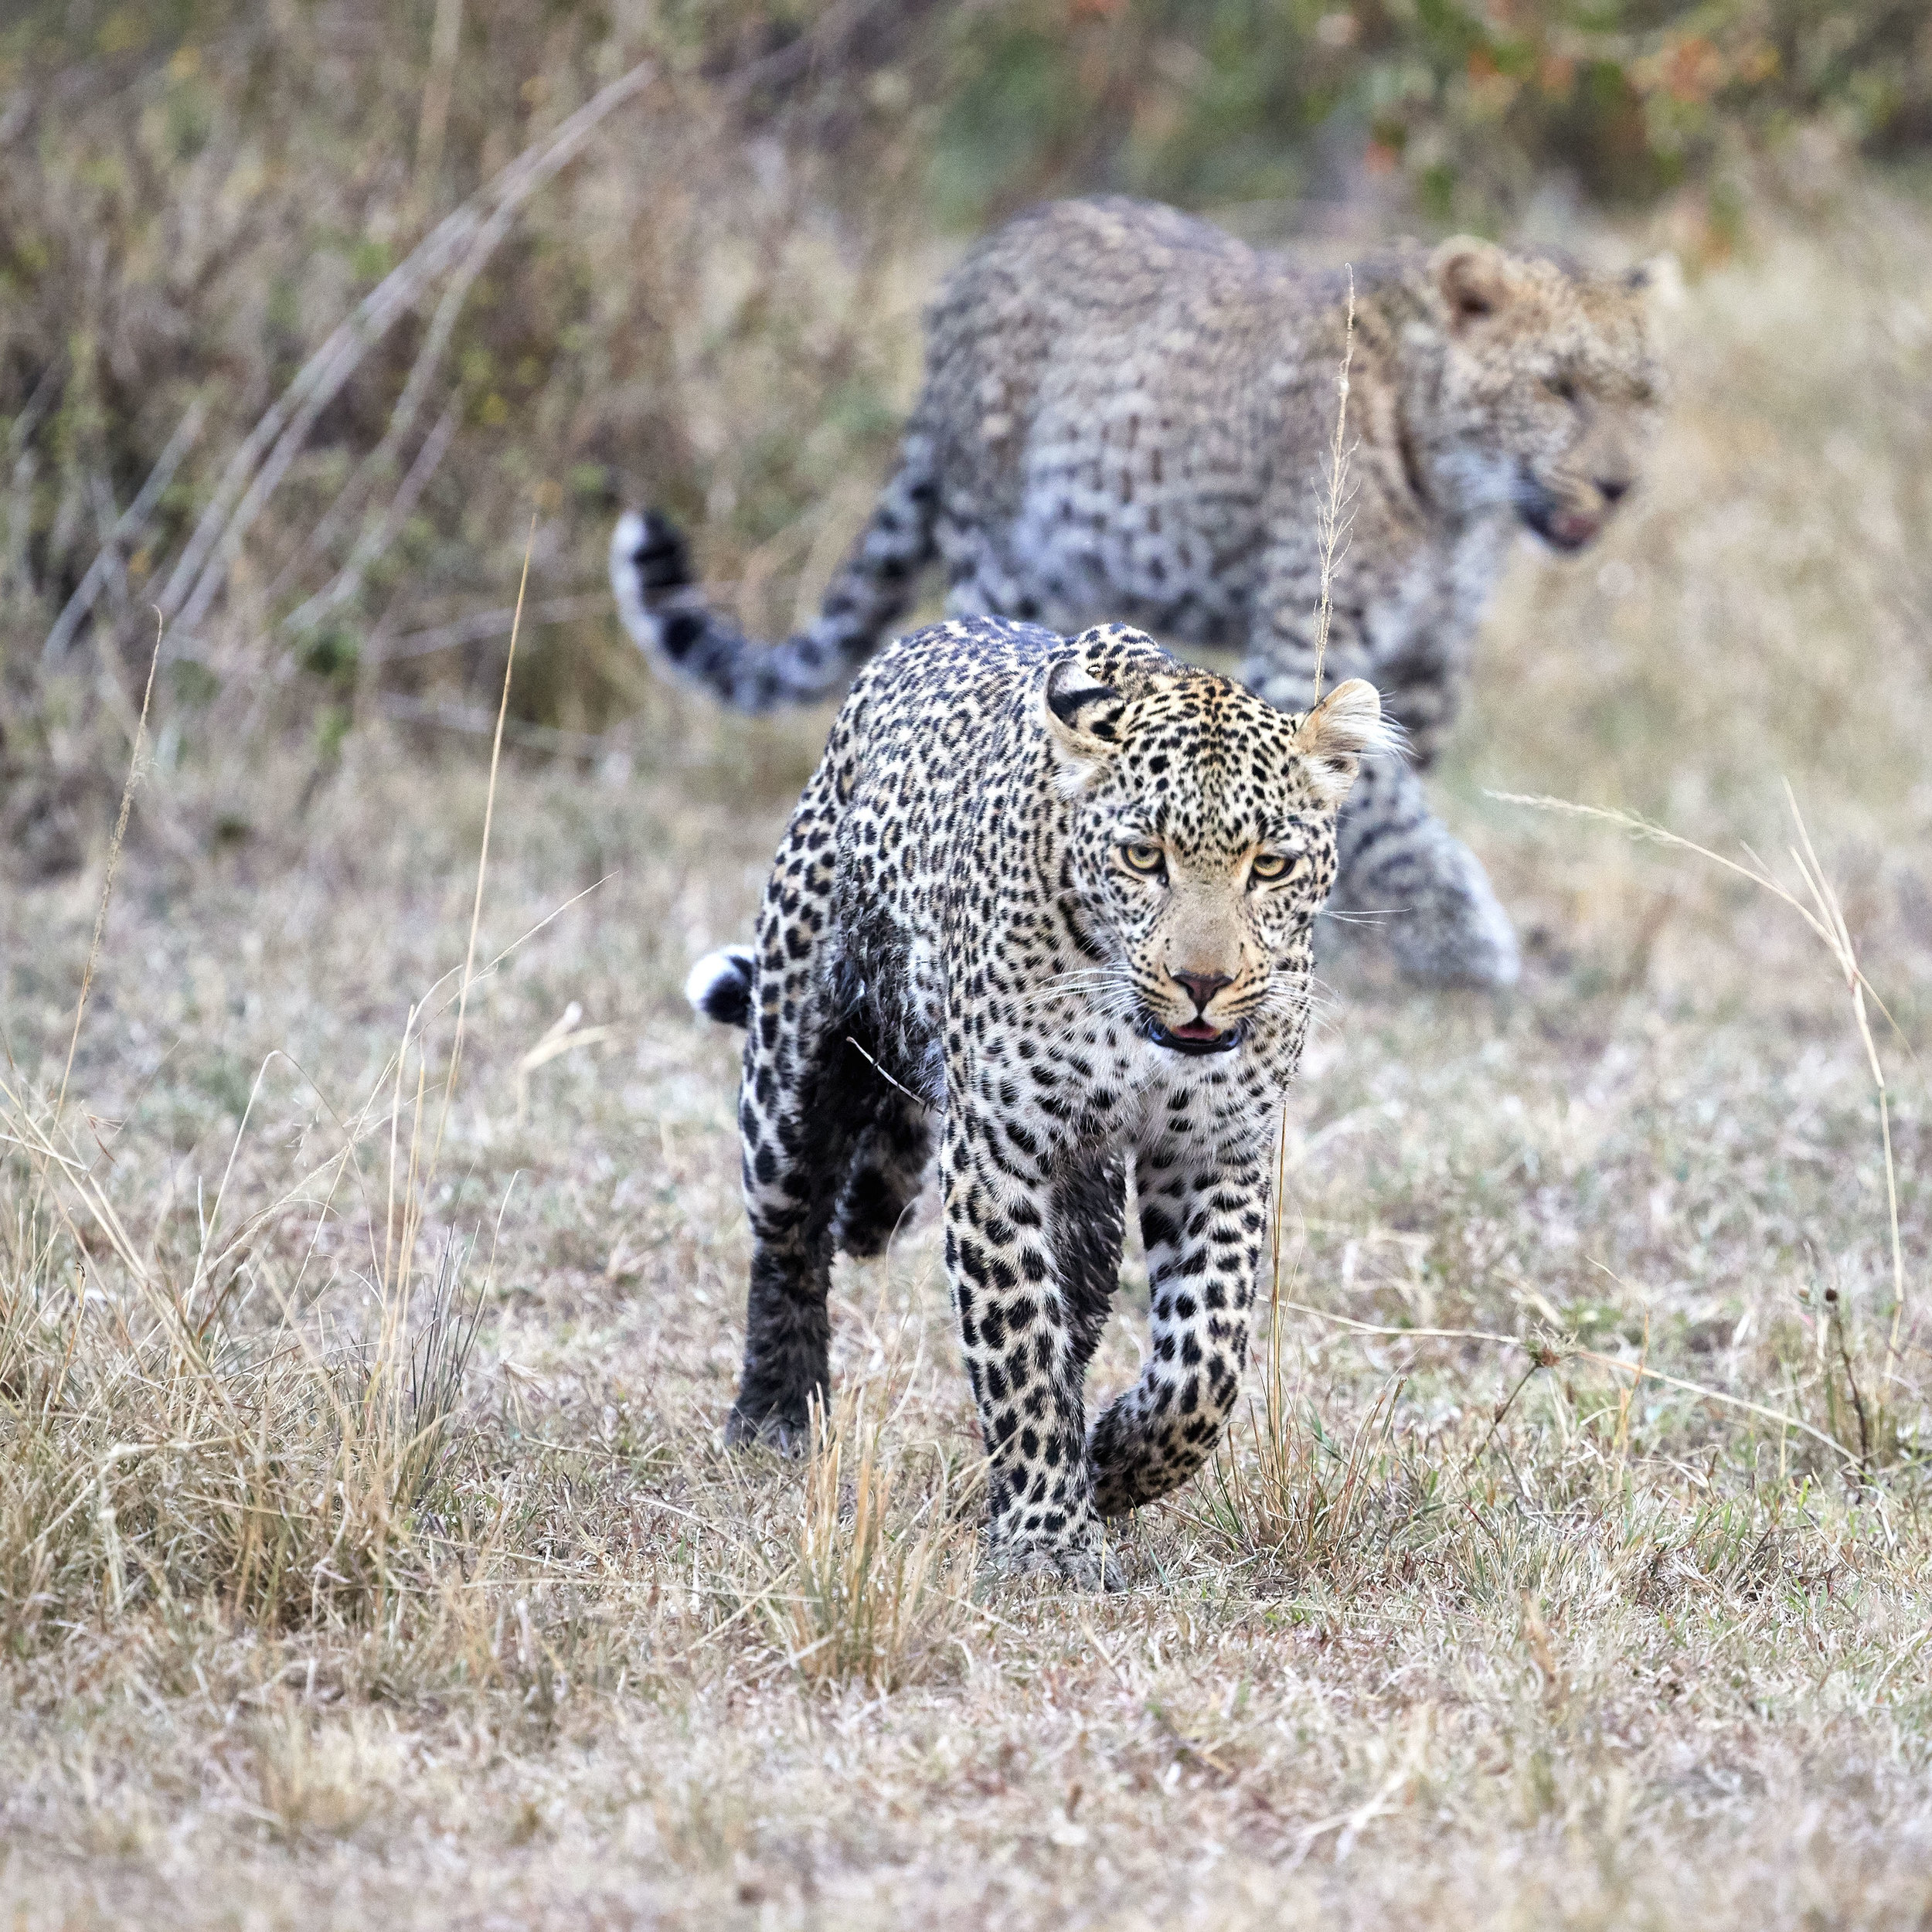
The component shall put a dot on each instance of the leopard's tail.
(720, 986)
(666, 611)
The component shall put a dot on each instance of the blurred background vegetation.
(708, 293)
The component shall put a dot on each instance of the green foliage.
(192, 684)
(1470, 105)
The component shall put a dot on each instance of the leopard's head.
(1201, 833)
(1545, 396)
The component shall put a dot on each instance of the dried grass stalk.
(874, 1595)
(1332, 513)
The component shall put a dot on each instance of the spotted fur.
(1127, 414)
(1046, 905)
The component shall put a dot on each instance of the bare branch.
(132, 522)
(258, 467)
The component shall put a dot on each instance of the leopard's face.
(1201, 844)
(1548, 392)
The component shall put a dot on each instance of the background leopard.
(1125, 415)
(1050, 904)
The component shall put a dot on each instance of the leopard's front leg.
(1400, 863)
(1026, 1339)
(1203, 1220)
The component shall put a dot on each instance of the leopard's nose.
(1201, 987)
(1613, 488)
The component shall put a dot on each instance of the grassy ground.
(311, 1619)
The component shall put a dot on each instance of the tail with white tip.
(720, 986)
(665, 609)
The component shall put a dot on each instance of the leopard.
(1128, 413)
(1042, 920)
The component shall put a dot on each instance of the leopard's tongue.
(1196, 1029)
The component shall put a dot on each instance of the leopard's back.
(1097, 396)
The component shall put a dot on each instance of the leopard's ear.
(1473, 278)
(1083, 718)
(1333, 737)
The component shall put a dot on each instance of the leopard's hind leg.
(806, 1102)
(797, 1149)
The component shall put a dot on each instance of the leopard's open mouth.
(1542, 509)
(1197, 1036)
(1564, 529)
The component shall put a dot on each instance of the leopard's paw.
(786, 1436)
(1084, 1561)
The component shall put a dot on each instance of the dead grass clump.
(303, 312)
(156, 1453)
(874, 1595)
(165, 1446)
(1284, 1489)
(320, 1781)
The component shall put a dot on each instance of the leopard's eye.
(1144, 857)
(1267, 867)
(1562, 387)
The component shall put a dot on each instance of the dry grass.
(316, 1615)
(869, 1600)
(300, 327)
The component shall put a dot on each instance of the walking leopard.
(1126, 414)
(1045, 905)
